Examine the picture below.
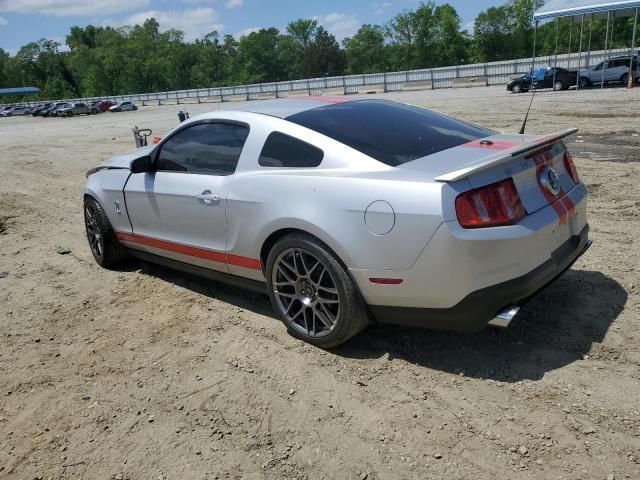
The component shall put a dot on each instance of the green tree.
(303, 31)
(323, 56)
(366, 51)
(259, 56)
(492, 32)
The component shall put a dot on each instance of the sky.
(23, 21)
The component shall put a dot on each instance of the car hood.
(124, 159)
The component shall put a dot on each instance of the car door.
(619, 68)
(611, 71)
(179, 210)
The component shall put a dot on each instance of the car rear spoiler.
(504, 156)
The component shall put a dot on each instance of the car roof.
(284, 107)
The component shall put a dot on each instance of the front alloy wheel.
(104, 245)
(558, 86)
(312, 292)
(94, 233)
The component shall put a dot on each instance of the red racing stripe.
(561, 203)
(494, 145)
(243, 262)
(211, 255)
(326, 99)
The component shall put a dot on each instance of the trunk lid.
(535, 163)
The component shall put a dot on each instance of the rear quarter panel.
(332, 207)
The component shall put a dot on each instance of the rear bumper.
(474, 311)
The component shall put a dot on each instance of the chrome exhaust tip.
(504, 317)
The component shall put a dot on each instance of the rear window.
(281, 150)
(390, 132)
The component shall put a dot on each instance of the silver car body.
(15, 111)
(122, 107)
(611, 70)
(382, 222)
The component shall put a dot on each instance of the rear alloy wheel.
(516, 88)
(313, 293)
(625, 79)
(104, 245)
(558, 85)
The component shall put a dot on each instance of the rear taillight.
(491, 206)
(571, 167)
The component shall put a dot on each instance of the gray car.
(612, 70)
(15, 111)
(347, 211)
(78, 108)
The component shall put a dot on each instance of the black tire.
(558, 85)
(516, 88)
(106, 249)
(345, 304)
(134, 108)
(625, 79)
(584, 82)
(93, 111)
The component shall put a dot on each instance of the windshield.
(390, 132)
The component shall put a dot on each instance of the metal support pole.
(606, 40)
(555, 55)
(632, 72)
(570, 31)
(533, 59)
(580, 53)
(590, 32)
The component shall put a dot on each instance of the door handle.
(208, 198)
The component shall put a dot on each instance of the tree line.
(104, 61)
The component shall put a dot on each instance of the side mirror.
(141, 165)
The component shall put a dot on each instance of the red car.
(102, 105)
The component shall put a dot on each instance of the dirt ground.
(144, 373)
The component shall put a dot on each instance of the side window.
(281, 150)
(207, 148)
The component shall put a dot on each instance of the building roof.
(568, 8)
(16, 92)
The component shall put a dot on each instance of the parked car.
(57, 112)
(37, 110)
(340, 209)
(16, 111)
(122, 107)
(52, 111)
(77, 108)
(5, 108)
(612, 70)
(102, 105)
(561, 80)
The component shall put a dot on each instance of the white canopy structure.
(578, 10)
(566, 8)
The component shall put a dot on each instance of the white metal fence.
(492, 73)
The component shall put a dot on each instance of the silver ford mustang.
(346, 211)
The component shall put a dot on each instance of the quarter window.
(281, 150)
(208, 148)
